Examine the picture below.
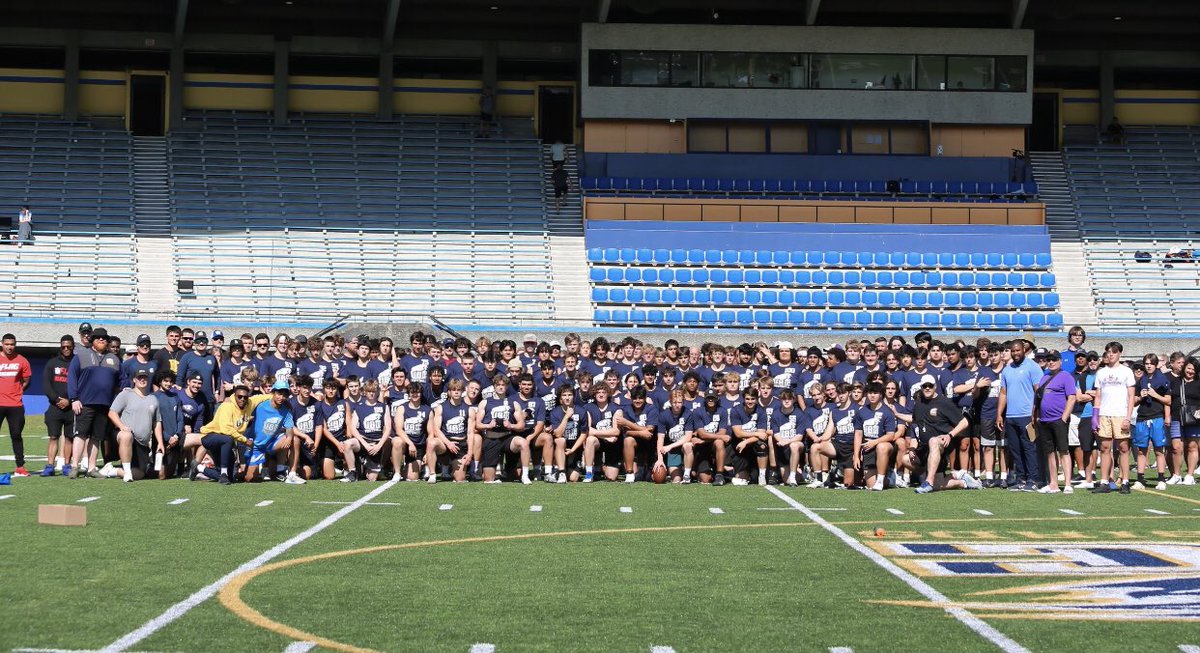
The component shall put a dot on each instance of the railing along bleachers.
(1141, 196)
(822, 275)
(77, 180)
(409, 216)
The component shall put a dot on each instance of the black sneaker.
(224, 480)
(719, 479)
(1101, 488)
(1124, 489)
(1002, 483)
(281, 477)
(193, 472)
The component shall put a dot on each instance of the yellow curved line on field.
(1170, 496)
(231, 594)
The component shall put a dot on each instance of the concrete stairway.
(1066, 245)
(156, 290)
(568, 256)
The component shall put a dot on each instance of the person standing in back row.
(60, 421)
(92, 382)
(24, 226)
(562, 184)
(14, 378)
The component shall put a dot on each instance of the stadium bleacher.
(78, 182)
(1140, 196)
(835, 276)
(415, 214)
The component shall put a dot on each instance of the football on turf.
(659, 474)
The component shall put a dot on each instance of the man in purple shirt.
(1054, 399)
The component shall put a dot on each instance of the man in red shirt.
(14, 378)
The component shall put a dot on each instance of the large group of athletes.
(866, 413)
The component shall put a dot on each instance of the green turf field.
(605, 567)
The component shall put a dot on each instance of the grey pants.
(25, 232)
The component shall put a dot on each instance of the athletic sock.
(988, 475)
(687, 474)
(978, 473)
(225, 471)
(547, 470)
(128, 469)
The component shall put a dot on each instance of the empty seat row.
(826, 319)
(865, 298)
(745, 257)
(869, 278)
(877, 186)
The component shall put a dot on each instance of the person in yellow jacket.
(227, 428)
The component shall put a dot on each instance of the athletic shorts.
(408, 458)
(702, 456)
(783, 452)
(258, 453)
(1054, 435)
(1110, 428)
(143, 457)
(326, 451)
(372, 464)
(462, 451)
(989, 436)
(673, 459)
(845, 453)
(59, 422)
(868, 459)
(92, 423)
(1149, 431)
(1176, 430)
(611, 453)
(494, 450)
(1080, 434)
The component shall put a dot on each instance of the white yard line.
(895, 512)
(626, 509)
(299, 647)
(661, 649)
(979, 626)
(840, 649)
(716, 511)
(983, 512)
(263, 504)
(346, 503)
(200, 596)
(6, 496)
(87, 500)
(1068, 511)
(829, 509)
(1152, 511)
(535, 508)
(176, 502)
(483, 648)
(1189, 648)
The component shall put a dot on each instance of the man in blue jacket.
(92, 381)
(200, 362)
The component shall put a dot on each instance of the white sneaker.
(630, 478)
(1048, 490)
(1085, 485)
(816, 484)
(1174, 480)
(294, 479)
(525, 480)
(1137, 485)
(877, 486)
(762, 480)
(1161, 486)
(739, 481)
(1189, 480)
(1067, 489)
(562, 478)
(432, 479)
(900, 482)
(493, 481)
(128, 478)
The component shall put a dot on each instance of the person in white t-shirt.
(1114, 405)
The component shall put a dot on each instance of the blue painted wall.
(801, 166)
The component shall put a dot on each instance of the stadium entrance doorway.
(1043, 137)
(147, 104)
(556, 114)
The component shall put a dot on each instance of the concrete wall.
(933, 106)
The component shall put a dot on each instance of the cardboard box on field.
(60, 515)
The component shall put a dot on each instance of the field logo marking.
(535, 508)
(176, 502)
(87, 500)
(716, 511)
(983, 512)
(1189, 648)
(1133, 580)
(446, 506)
(263, 504)
(661, 649)
(176, 611)
(300, 647)
(840, 649)
(895, 511)
(981, 627)
(1068, 511)
(626, 509)
(483, 648)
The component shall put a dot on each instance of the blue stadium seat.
(673, 316)
(934, 299)
(1020, 320)
(781, 258)
(954, 188)
(718, 276)
(628, 255)
(687, 296)
(994, 259)
(1002, 320)
(852, 278)
(1019, 300)
(644, 256)
(679, 256)
(970, 300)
(853, 298)
(691, 317)
(747, 257)
(703, 296)
(753, 276)
(654, 316)
(1051, 300)
(653, 296)
(933, 278)
(920, 299)
(670, 295)
(636, 296)
(966, 320)
(602, 315)
(614, 275)
(712, 257)
(913, 319)
(1042, 260)
(597, 274)
(754, 297)
(745, 317)
(637, 316)
(770, 297)
(1002, 300)
(901, 278)
(978, 259)
(695, 256)
(600, 295)
(1047, 280)
(633, 275)
(700, 276)
(1014, 280)
(985, 320)
(814, 258)
(1054, 320)
(1030, 279)
(820, 277)
(912, 260)
(929, 260)
(986, 300)
(616, 295)
(832, 258)
(885, 278)
(779, 318)
(962, 260)
(848, 258)
(950, 279)
(865, 259)
(762, 317)
(914, 278)
(796, 318)
(862, 319)
(666, 275)
(869, 278)
(966, 279)
(770, 277)
(737, 296)
(1025, 260)
(879, 319)
(945, 260)
(829, 318)
(904, 299)
(803, 277)
(870, 298)
(787, 297)
(787, 277)
(845, 318)
(620, 316)
(895, 319)
(820, 298)
(1037, 320)
(595, 255)
(683, 275)
(662, 256)
(898, 259)
(837, 277)
(887, 298)
(720, 297)
(951, 299)
(1009, 260)
(803, 298)
(708, 317)
(736, 276)
(726, 317)
(999, 279)
(836, 298)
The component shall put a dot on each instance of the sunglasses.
(241, 397)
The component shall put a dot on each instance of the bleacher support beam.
(282, 49)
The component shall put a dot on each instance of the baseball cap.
(1040, 352)
(529, 337)
(141, 372)
(85, 327)
(515, 364)
(218, 334)
(1053, 355)
(447, 343)
(281, 385)
(143, 339)
(302, 340)
(1082, 353)
(785, 344)
(555, 343)
(195, 376)
(201, 338)
(814, 351)
(99, 334)
(131, 349)
(928, 384)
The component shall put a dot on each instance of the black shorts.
(494, 450)
(574, 460)
(59, 422)
(327, 451)
(408, 458)
(845, 453)
(559, 191)
(702, 456)
(1087, 438)
(1054, 436)
(868, 459)
(92, 423)
(462, 450)
(611, 453)
(143, 457)
(783, 452)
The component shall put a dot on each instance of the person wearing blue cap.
(200, 362)
(274, 427)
